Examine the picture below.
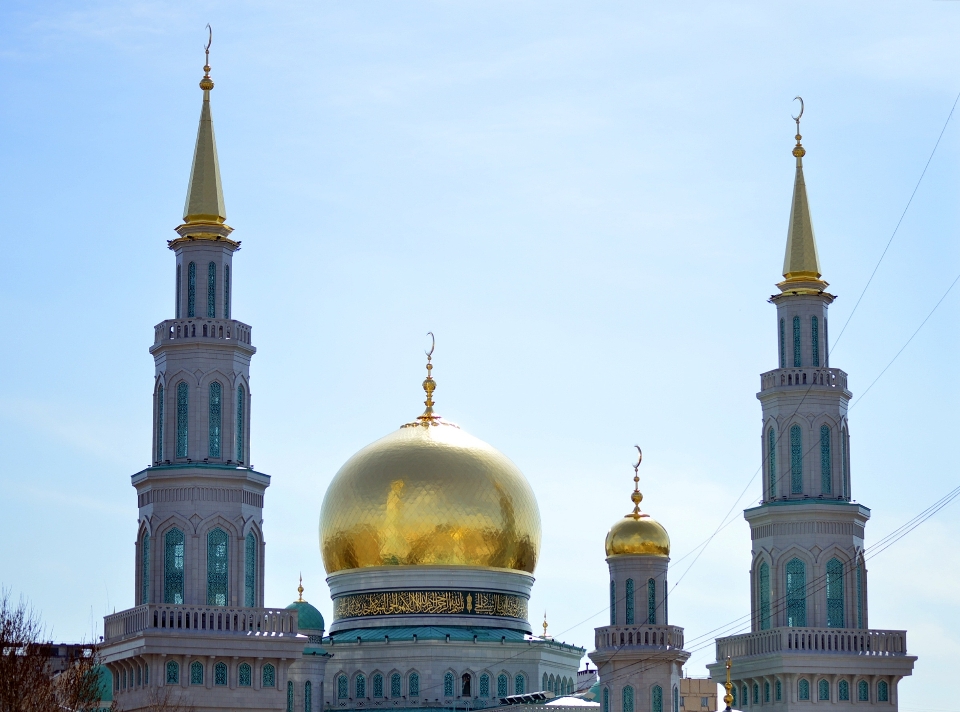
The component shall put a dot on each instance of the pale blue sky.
(586, 202)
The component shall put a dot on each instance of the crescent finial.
(433, 345)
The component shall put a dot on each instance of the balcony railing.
(842, 641)
(195, 328)
(207, 619)
(793, 377)
(660, 636)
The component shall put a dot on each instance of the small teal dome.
(309, 618)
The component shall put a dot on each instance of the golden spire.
(204, 193)
(300, 590)
(544, 624)
(429, 386)
(635, 496)
(728, 686)
(801, 262)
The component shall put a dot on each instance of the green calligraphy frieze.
(471, 603)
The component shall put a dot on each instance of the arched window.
(269, 677)
(666, 620)
(835, 594)
(606, 700)
(290, 696)
(465, 685)
(226, 291)
(191, 290)
(796, 593)
(796, 460)
(546, 683)
(803, 690)
(519, 684)
(746, 699)
(796, 342)
(883, 691)
(628, 700)
(756, 694)
(733, 694)
(160, 423)
(826, 465)
(145, 568)
(651, 602)
(378, 686)
(250, 571)
(177, 300)
(613, 603)
(342, 687)
(863, 691)
(823, 690)
(763, 594)
(360, 686)
(501, 685)
(173, 672)
(676, 699)
(779, 689)
(766, 692)
(772, 464)
(629, 602)
(183, 391)
(307, 696)
(220, 674)
(196, 673)
(241, 408)
(783, 346)
(245, 675)
(843, 464)
(413, 685)
(173, 566)
(212, 295)
(484, 686)
(656, 699)
(448, 684)
(859, 596)
(843, 691)
(815, 335)
(216, 418)
(217, 568)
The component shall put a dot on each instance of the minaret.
(639, 656)
(808, 578)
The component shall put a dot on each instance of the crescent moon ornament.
(433, 344)
(797, 118)
(639, 457)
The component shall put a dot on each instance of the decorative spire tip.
(636, 497)
(207, 83)
(300, 590)
(799, 151)
(429, 385)
(728, 686)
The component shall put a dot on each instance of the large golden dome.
(429, 494)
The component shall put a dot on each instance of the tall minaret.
(808, 579)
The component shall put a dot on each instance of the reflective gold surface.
(638, 534)
(429, 494)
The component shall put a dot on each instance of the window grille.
(779, 689)
(378, 685)
(220, 674)
(823, 690)
(803, 690)
(269, 677)
(177, 301)
(241, 402)
(173, 567)
(772, 462)
(183, 392)
(629, 602)
(226, 291)
(613, 603)
(519, 685)
(484, 686)
(756, 694)
(250, 571)
(289, 696)
(160, 423)
(308, 696)
(843, 462)
(342, 687)
(217, 568)
(413, 685)
(745, 698)
(360, 686)
(826, 466)
(656, 699)
(676, 699)
(835, 594)
(766, 692)
(212, 295)
(796, 593)
(606, 700)
(191, 290)
(796, 460)
(216, 418)
(843, 691)
(173, 672)
(628, 700)
(651, 602)
(796, 342)
(733, 694)
(763, 584)
(863, 691)
(859, 596)
(245, 675)
(145, 568)
(448, 685)
(882, 692)
(783, 346)
(196, 673)
(815, 336)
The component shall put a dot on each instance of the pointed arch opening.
(173, 549)
(826, 462)
(796, 460)
(796, 575)
(191, 290)
(216, 419)
(217, 580)
(835, 607)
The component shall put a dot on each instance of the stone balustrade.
(791, 377)
(660, 636)
(223, 329)
(843, 641)
(219, 620)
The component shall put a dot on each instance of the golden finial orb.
(728, 686)
(207, 83)
(300, 589)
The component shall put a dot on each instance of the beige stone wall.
(695, 691)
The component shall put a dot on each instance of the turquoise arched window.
(217, 568)
(628, 699)
(484, 686)
(796, 593)
(733, 694)
(883, 691)
(448, 684)
(519, 684)
(245, 675)
(183, 394)
(779, 690)
(756, 694)
(501, 685)
(763, 594)
(843, 691)
(173, 672)
(629, 602)
(226, 291)
(803, 690)
(342, 692)
(191, 290)
(250, 571)
(783, 346)
(656, 699)
(863, 691)
(823, 690)
(613, 603)
(395, 685)
(220, 674)
(772, 464)
(160, 423)
(859, 596)
(241, 409)
(196, 673)
(826, 464)
(216, 418)
(676, 699)
(289, 695)
(815, 336)
(413, 685)
(177, 300)
(378, 686)
(651, 602)
(173, 566)
(145, 568)
(796, 460)
(212, 295)
(308, 696)
(745, 698)
(766, 692)
(843, 464)
(546, 683)
(606, 700)
(360, 686)
(835, 594)
(797, 361)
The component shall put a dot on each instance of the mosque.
(430, 539)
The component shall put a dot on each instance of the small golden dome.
(637, 533)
